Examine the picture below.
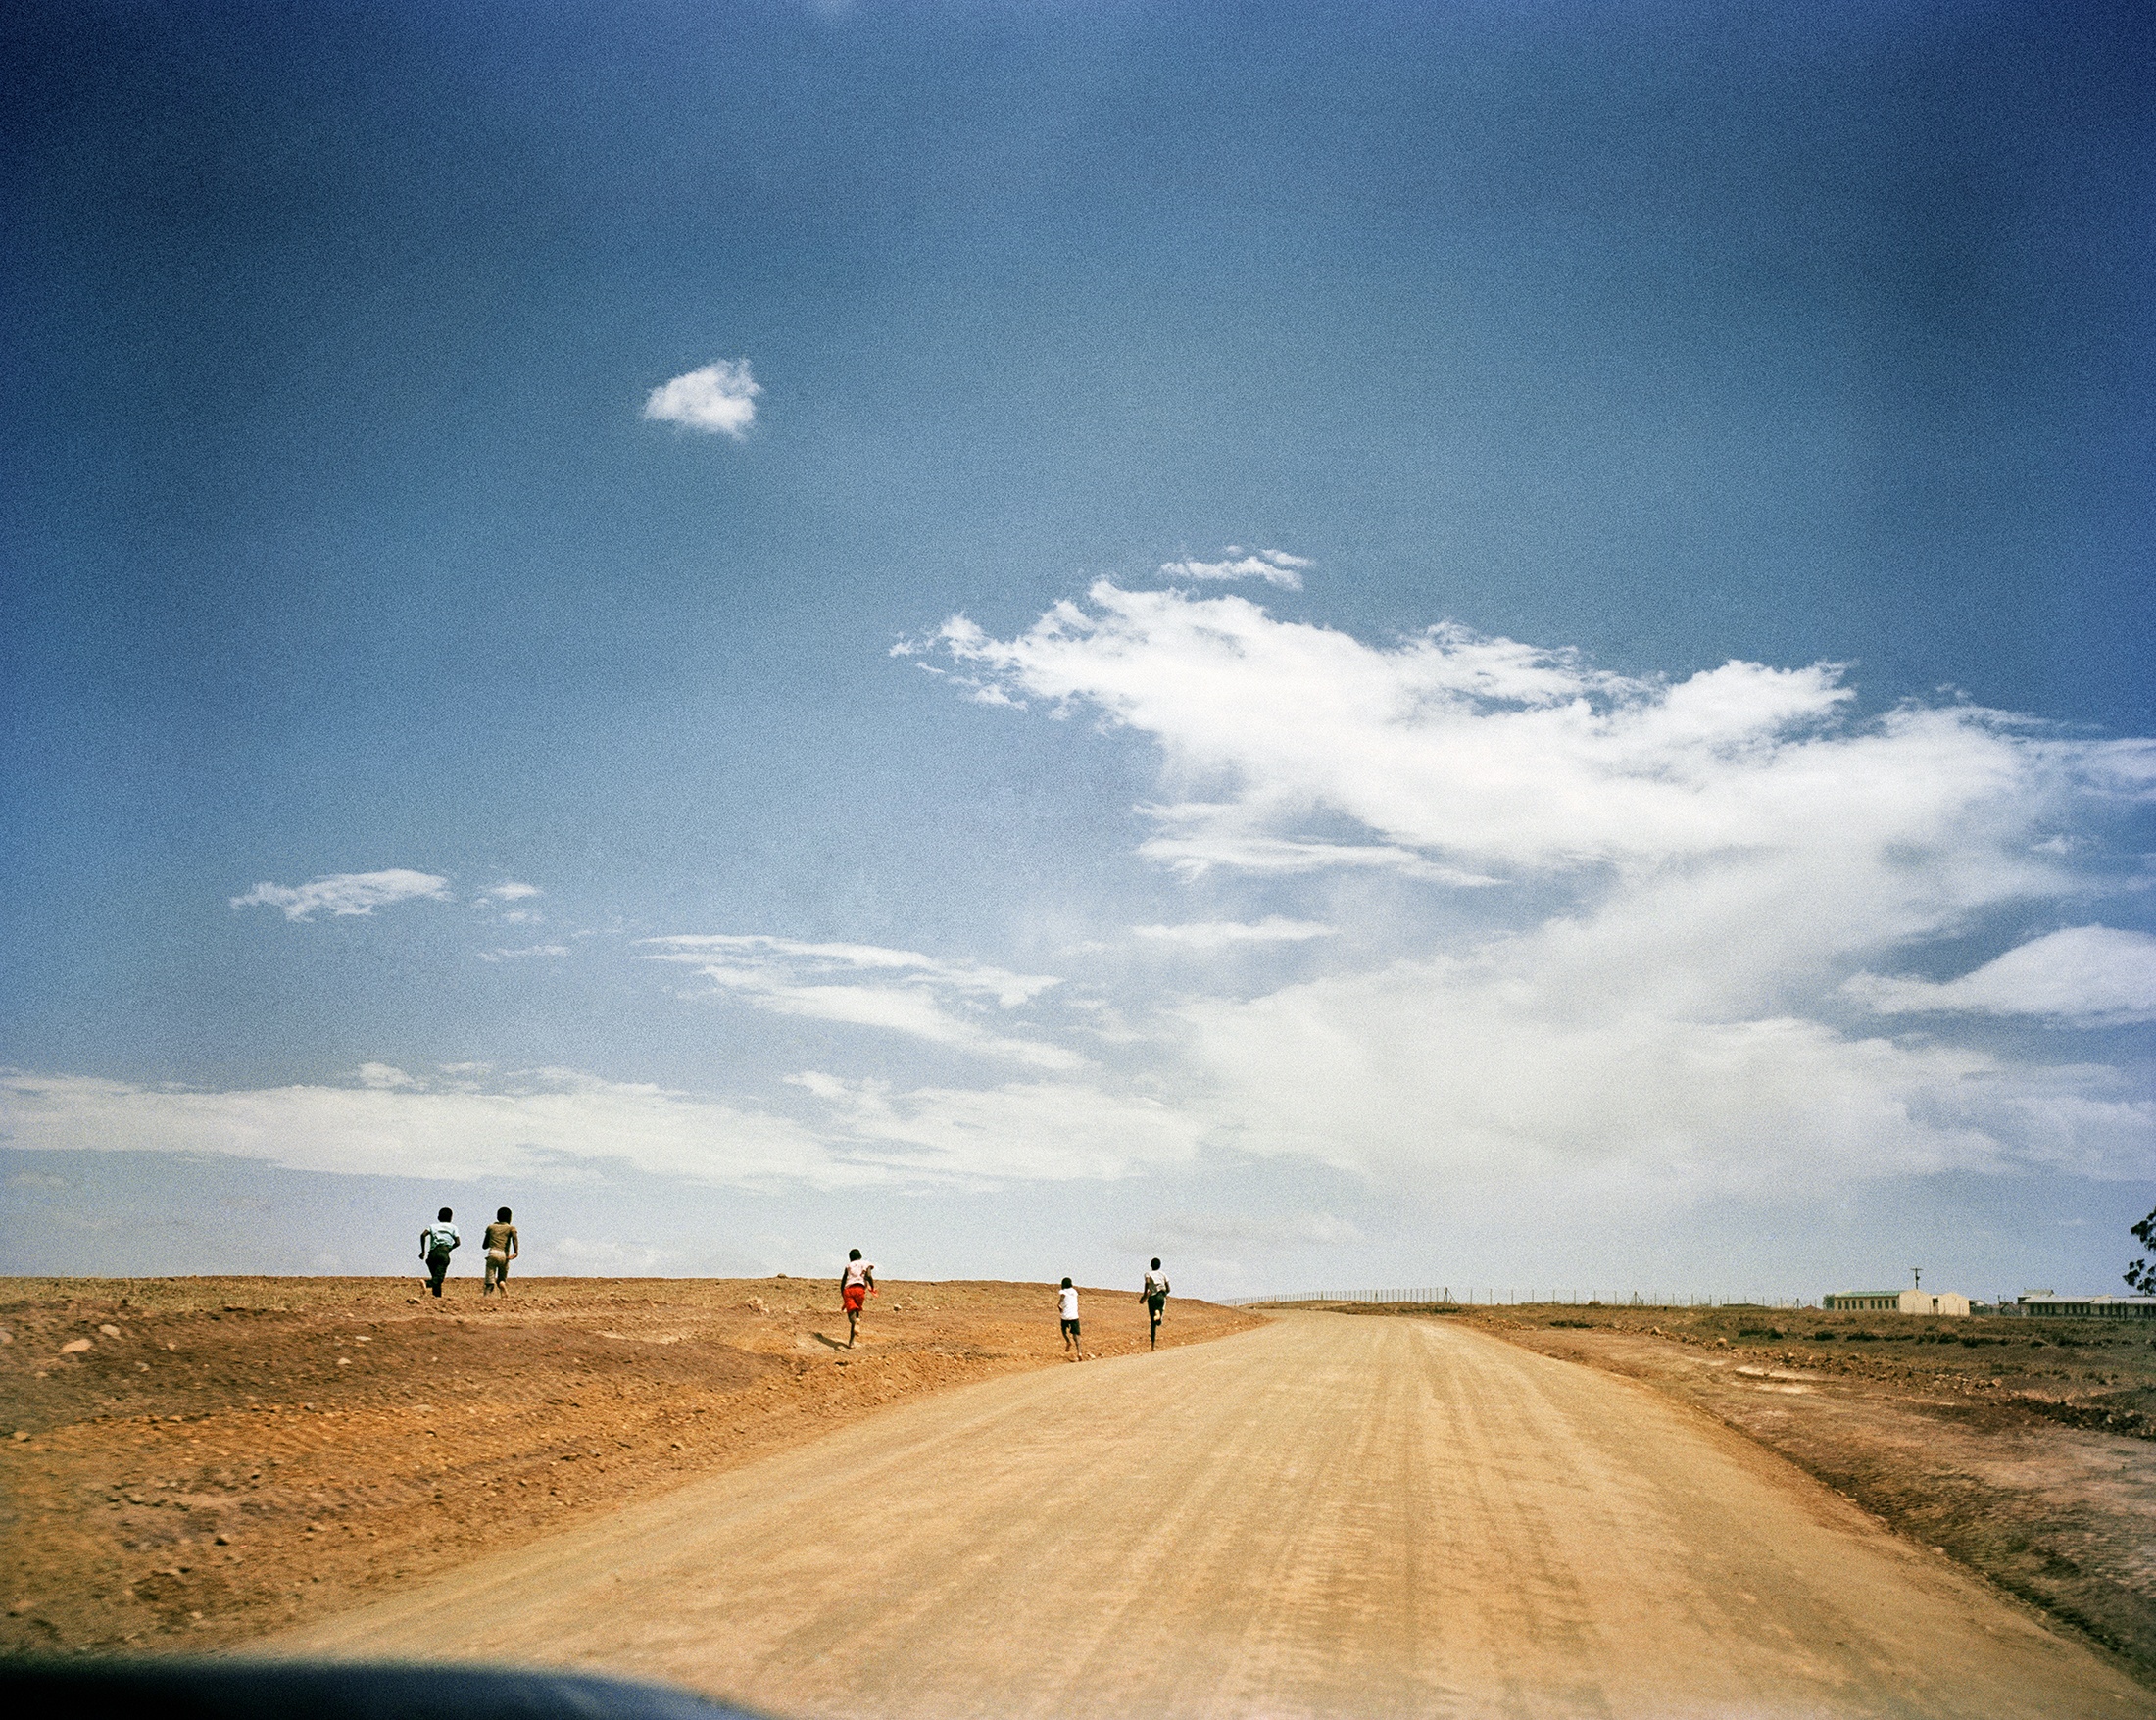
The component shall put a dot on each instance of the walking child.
(1157, 1298)
(435, 1243)
(500, 1247)
(1067, 1307)
(855, 1284)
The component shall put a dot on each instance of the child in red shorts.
(855, 1284)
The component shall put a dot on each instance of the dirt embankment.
(2023, 1448)
(190, 1462)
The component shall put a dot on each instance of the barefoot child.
(1067, 1307)
(500, 1247)
(855, 1284)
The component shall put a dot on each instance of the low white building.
(1896, 1301)
(2044, 1304)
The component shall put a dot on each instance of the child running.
(500, 1247)
(855, 1284)
(435, 1243)
(1067, 1307)
(1157, 1298)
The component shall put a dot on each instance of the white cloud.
(720, 399)
(2086, 975)
(536, 1124)
(1198, 837)
(1275, 567)
(556, 1122)
(865, 985)
(1216, 934)
(1025, 1131)
(508, 890)
(541, 950)
(795, 956)
(1695, 868)
(1484, 757)
(347, 893)
(1567, 935)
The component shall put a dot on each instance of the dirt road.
(196, 1463)
(1328, 1517)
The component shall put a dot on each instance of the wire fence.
(1465, 1295)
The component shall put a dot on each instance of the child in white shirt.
(1066, 1307)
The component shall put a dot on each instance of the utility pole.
(1919, 1271)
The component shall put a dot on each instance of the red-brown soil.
(191, 1462)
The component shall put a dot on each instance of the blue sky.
(992, 794)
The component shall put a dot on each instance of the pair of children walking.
(1157, 1302)
(439, 1240)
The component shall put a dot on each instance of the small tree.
(2141, 1275)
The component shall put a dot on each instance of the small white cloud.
(385, 1078)
(1274, 566)
(797, 955)
(1201, 838)
(508, 890)
(1216, 934)
(527, 950)
(2091, 976)
(347, 893)
(865, 985)
(720, 399)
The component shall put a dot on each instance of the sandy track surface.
(1328, 1517)
(197, 1461)
(2024, 1447)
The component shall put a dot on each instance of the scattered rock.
(110, 1330)
(75, 1347)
